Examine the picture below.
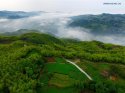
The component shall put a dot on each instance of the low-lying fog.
(56, 24)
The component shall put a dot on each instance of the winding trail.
(79, 69)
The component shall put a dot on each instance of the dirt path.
(79, 69)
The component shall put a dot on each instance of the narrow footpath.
(79, 69)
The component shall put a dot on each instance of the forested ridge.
(101, 24)
(25, 65)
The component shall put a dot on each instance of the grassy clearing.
(93, 69)
(60, 77)
(64, 68)
(61, 80)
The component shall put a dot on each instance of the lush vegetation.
(34, 63)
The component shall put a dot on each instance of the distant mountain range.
(101, 24)
(17, 14)
(19, 32)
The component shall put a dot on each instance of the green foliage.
(19, 68)
(7, 39)
(37, 38)
(103, 87)
(23, 66)
(117, 71)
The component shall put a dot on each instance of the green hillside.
(35, 63)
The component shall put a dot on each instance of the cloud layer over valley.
(57, 24)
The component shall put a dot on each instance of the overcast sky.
(84, 6)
